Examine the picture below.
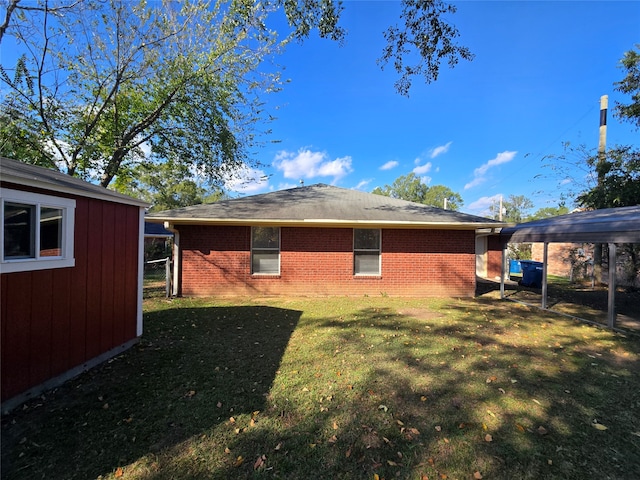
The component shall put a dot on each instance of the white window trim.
(379, 250)
(67, 205)
(260, 248)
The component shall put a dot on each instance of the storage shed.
(70, 277)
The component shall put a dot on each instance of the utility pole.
(602, 155)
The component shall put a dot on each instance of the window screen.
(366, 251)
(265, 250)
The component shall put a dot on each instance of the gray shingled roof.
(322, 205)
(616, 225)
(33, 176)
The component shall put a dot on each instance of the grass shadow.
(194, 368)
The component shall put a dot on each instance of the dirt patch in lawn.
(420, 313)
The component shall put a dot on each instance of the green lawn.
(343, 388)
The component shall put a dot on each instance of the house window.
(265, 250)
(366, 251)
(37, 231)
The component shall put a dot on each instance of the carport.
(611, 226)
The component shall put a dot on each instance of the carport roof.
(323, 205)
(610, 225)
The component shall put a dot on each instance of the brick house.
(325, 240)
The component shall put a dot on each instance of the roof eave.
(325, 223)
(93, 193)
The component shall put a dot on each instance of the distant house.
(70, 277)
(325, 240)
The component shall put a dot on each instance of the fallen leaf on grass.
(438, 428)
(520, 427)
(239, 461)
(347, 454)
(335, 425)
(637, 434)
(542, 430)
(376, 476)
(119, 472)
(488, 438)
(259, 463)
(391, 463)
(477, 475)
(599, 426)
(226, 450)
(423, 398)
(383, 407)
(492, 378)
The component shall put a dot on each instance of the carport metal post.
(611, 310)
(544, 275)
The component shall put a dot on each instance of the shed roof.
(610, 225)
(323, 205)
(19, 173)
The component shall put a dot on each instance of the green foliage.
(104, 78)
(166, 185)
(630, 85)
(548, 212)
(514, 209)
(437, 194)
(619, 179)
(426, 39)
(411, 188)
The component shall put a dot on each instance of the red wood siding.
(55, 320)
(319, 261)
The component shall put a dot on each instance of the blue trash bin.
(531, 273)
(514, 266)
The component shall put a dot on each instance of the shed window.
(366, 251)
(265, 250)
(37, 231)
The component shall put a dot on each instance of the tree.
(437, 194)
(412, 189)
(514, 209)
(105, 85)
(548, 212)
(630, 85)
(618, 174)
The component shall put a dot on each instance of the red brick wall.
(319, 261)
(494, 257)
(558, 262)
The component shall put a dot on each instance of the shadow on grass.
(193, 369)
(349, 390)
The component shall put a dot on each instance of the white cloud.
(308, 164)
(422, 169)
(362, 184)
(481, 206)
(440, 150)
(389, 165)
(479, 173)
(247, 180)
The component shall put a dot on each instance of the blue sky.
(483, 129)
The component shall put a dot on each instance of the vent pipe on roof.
(301, 183)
